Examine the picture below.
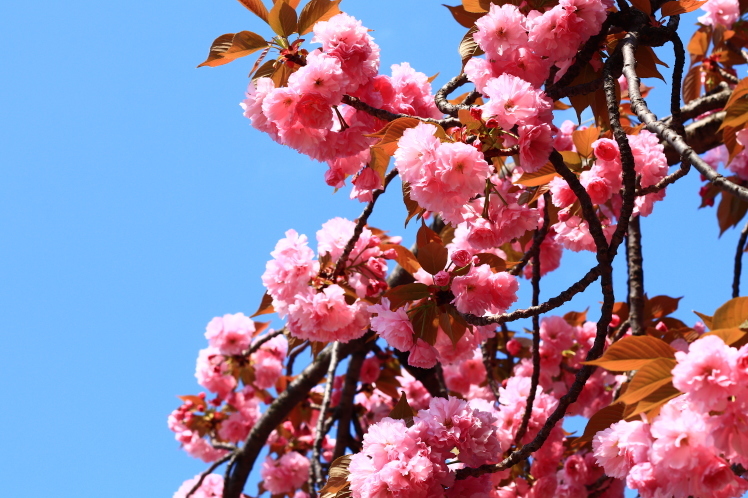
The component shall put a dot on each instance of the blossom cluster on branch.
(439, 396)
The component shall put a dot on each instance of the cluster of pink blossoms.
(603, 183)
(720, 13)
(317, 304)
(399, 461)
(309, 117)
(689, 447)
(231, 414)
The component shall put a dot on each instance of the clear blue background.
(136, 203)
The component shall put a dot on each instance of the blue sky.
(136, 203)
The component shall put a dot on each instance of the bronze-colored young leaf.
(316, 11)
(452, 324)
(266, 306)
(197, 401)
(632, 353)
(426, 235)
(674, 8)
(405, 258)
(576, 318)
(729, 213)
(653, 402)
(244, 43)
(402, 410)
(280, 75)
(379, 162)
(257, 7)
(603, 419)
(391, 133)
(648, 379)
(468, 47)
(433, 257)
(642, 5)
(425, 321)
(412, 206)
(406, 293)
(739, 92)
(462, 16)
(468, 120)
(706, 319)
(337, 479)
(266, 70)
(572, 159)
(647, 62)
(583, 140)
(475, 6)
(282, 18)
(733, 313)
(219, 46)
(660, 306)
(699, 44)
(736, 114)
(732, 337)
(692, 84)
(540, 177)
(496, 263)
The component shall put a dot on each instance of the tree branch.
(315, 470)
(345, 407)
(635, 276)
(739, 262)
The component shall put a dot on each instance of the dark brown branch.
(292, 357)
(488, 353)
(549, 305)
(385, 115)
(646, 116)
(262, 340)
(535, 378)
(739, 262)
(360, 224)
(345, 407)
(315, 471)
(441, 95)
(680, 62)
(635, 276)
(685, 167)
(278, 410)
(701, 136)
(716, 99)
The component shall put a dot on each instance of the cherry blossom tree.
(417, 385)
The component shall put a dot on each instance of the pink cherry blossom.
(286, 474)
(230, 334)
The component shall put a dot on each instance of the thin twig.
(385, 115)
(535, 378)
(257, 344)
(360, 224)
(345, 407)
(739, 262)
(205, 474)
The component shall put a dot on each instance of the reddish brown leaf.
(412, 206)
(316, 11)
(729, 213)
(257, 7)
(425, 321)
(402, 410)
(196, 400)
(660, 306)
(673, 8)
(647, 61)
(219, 46)
(603, 419)
(692, 84)
(475, 6)
(699, 44)
(406, 293)
(462, 16)
(337, 479)
(433, 257)
(576, 318)
(632, 353)
(653, 402)
(731, 336)
(648, 379)
(496, 263)
(468, 47)
(733, 313)
(426, 235)
(539, 177)
(583, 140)
(642, 5)
(266, 306)
(282, 18)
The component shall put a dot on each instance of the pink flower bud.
(441, 279)
(514, 347)
(661, 327)
(615, 320)
(476, 112)
(389, 254)
(563, 215)
(492, 123)
(461, 258)
(606, 149)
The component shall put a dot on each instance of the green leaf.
(632, 353)
(316, 11)
(406, 293)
